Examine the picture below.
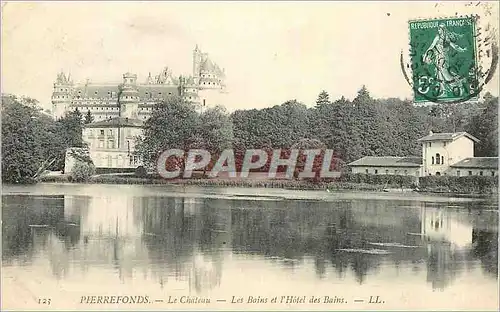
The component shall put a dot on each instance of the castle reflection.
(189, 239)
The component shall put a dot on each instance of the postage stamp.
(444, 59)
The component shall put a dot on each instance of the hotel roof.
(446, 136)
(387, 161)
(477, 162)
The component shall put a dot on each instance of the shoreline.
(271, 184)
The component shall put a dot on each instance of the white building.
(442, 154)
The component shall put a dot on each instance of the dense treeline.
(367, 126)
(362, 127)
(33, 141)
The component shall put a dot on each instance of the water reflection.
(190, 240)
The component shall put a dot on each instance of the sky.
(272, 51)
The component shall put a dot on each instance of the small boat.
(398, 190)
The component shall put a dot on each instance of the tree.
(27, 137)
(216, 129)
(323, 99)
(173, 125)
(484, 126)
(68, 130)
(88, 118)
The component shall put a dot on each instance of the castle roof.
(157, 91)
(477, 163)
(387, 161)
(96, 90)
(116, 122)
(145, 91)
(448, 136)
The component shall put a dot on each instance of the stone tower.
(129, 96)
(61, 95)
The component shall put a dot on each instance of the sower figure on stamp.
(438, 55)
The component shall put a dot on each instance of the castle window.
(480, 173)
(386, 171)
(442, 160)
(366, 170)
(458, 173)
(438, 159)
(102, 131)
(470, 172)
(159, 93)
(444, 144)
(95, 93)
(493, 173)
(376, 171)
(433, 160)
(170, 93)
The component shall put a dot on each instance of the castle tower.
(61, 95)
(189, 90)
(129, 96)
(210, 80)
(196, 63)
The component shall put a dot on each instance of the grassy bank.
(286, 184)
(445, 188)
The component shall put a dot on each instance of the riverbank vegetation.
(32, 141)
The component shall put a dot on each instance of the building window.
(366, 170)
(433, 160)
(110, 131)
(430, 144)
(101, 143)
(470, 172)
(102, 131)
(493, 173)
(376, 171)
(386, 171)
(480, 173)
(442, 160)
(458, 173)
(406, 172)
(438, 158)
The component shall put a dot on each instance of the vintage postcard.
(249, 155)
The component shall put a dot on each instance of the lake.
(69, 246)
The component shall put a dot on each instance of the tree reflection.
(485, 247)
(187, 239)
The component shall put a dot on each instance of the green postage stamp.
(444, 59)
